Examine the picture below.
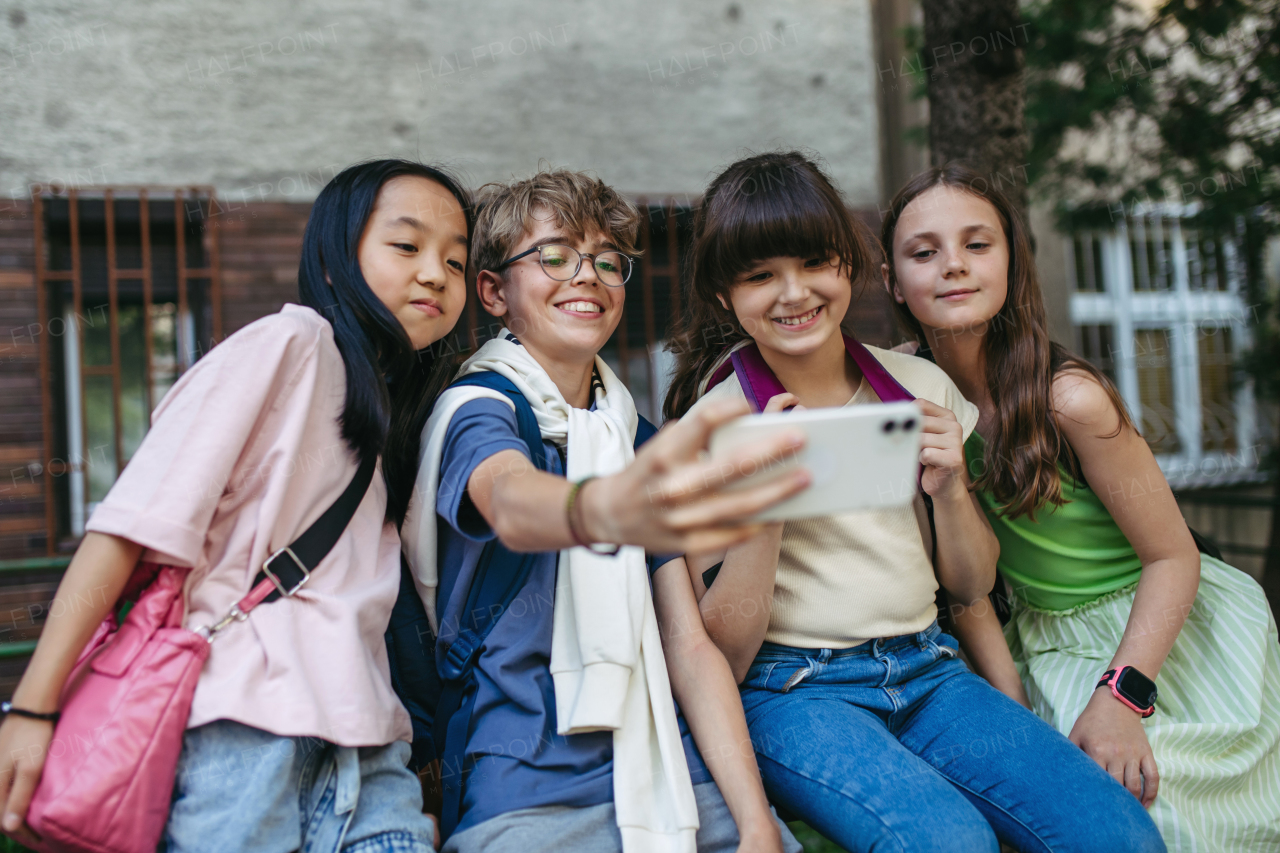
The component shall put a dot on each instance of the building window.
(1153, 362)
(1156, 305)
(1150, 254)
(129, 284)
(1088, 262)
(1096, 344)
(1217, 402)
(636, 351)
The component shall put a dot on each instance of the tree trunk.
(973, 56)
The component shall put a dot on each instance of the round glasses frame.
(559, 273)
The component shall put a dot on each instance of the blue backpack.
(439, 691)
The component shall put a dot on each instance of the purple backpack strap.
(760, 385)
(888, 389)
(756, 378)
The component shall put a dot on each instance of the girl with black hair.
(295, 739)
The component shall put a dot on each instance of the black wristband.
(50, 717)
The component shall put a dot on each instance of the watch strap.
(1111, 679)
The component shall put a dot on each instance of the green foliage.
(1181, 104)
(811, 840)
(1130, 107)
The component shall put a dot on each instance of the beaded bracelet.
(569, 505)
(50, 717)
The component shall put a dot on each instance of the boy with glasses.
(573, 740)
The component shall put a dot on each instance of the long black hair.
(373, 344)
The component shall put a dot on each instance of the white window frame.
(1184, 313)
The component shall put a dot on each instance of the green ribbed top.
(1069, 555)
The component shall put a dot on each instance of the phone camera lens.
(889, 426)
(909, 424)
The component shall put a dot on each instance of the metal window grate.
(128, 291)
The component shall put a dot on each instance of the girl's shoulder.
(1081, 402)
(907, 364)
(293, 333)
(291, 324)
(277, 345)
(727, 389)
(923, 378)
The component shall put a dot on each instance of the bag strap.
(499, 576)
(760, 385)
(285, 571)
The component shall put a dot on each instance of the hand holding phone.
(860, 457)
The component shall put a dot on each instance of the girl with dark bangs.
(866, 724)
(1110, 596)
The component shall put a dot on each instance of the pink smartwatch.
(1132, 688)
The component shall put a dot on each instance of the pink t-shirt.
(244, 453)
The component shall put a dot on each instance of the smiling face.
(950, 260)
(413, 255)
(791, 306)
(557, 321)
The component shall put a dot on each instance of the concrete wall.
(266, 99)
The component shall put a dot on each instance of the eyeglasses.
(563, 262)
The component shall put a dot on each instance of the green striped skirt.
(1216, 730)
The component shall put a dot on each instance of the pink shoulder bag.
(108, 777)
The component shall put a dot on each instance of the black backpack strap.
(411, 649)
(498, 579)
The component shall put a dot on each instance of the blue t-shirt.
(514, 758)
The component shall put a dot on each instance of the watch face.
(1137, 688)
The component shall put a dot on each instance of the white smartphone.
(861, 457)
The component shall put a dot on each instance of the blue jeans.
(895, 746)
(240, 788)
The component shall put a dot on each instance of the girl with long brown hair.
(1109, 593)
(866, 724)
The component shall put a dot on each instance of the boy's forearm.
(525, 507)
(708, 697)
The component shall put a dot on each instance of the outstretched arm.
(703, 685)
(670, 499)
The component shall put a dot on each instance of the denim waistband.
(777, 651)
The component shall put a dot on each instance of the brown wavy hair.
(1026, 446)
(772, 205)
